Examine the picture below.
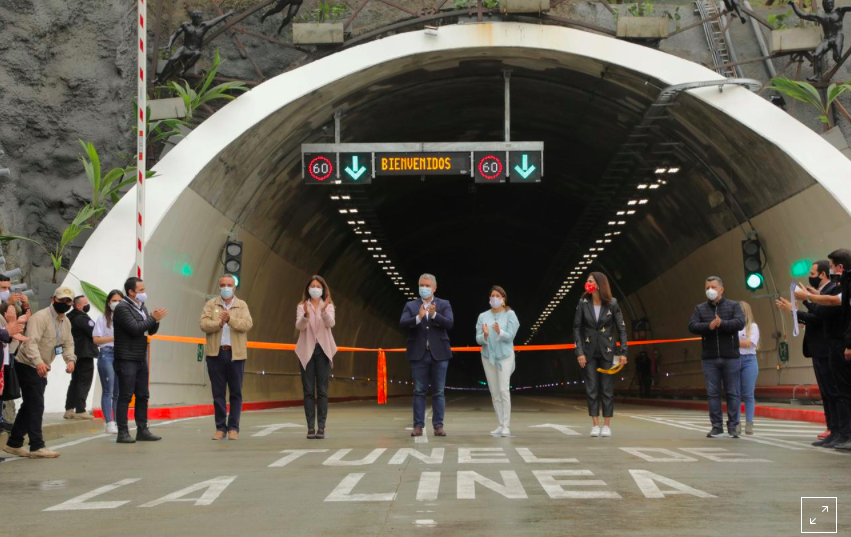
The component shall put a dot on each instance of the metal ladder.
(715, 37)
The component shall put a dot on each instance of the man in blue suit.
(428, 321)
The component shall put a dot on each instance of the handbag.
(11, 386)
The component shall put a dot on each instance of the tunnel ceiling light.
(621, 213)
(621, 222)
(612, 223)
(383, 255)
(607, 241)
(598, 241)
(367, 232)
(365, 241)
(608, 234)
(642, 202)
(654, 187)
(593, 255)
(344, 211)
(352, 223)
(674, 169)
(617, 232)
(661, 170)
(373, 240)
(370, 249)
(600, 249)
(335, 198)
(630, 212)
(592, 249)
(361, 222)
(346, 197)
(374, 255)
(353, 211)
(632, 202)
(642, 186)
(584, 255)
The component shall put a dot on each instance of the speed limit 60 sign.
(320, 168)
(489, 167)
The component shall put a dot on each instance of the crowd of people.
(118, 340)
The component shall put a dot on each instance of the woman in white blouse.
(748, 345)
(104, 338)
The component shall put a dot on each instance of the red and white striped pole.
(142, 103)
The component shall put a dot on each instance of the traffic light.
(751, 257)
(233, 259)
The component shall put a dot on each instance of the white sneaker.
(111, 428)
(505, 432)
(606, 432)
(595, 431)
(497, 431)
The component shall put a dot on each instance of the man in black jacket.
(816, 342)
(82, 327)
(718, 321)
(133, 324)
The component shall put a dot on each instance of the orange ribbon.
(382, 357)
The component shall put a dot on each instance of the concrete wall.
(807, 226)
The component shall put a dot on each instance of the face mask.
(590, 287)
(711, 294)
(113, 305)
(86, 308)
(141, 297)
(227, 292)
(496, 302)
(425, 292)
(61, 307)
(4, 295)
(815, 281)
(833, 275)
(315, 292)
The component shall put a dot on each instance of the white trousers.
(498, 384)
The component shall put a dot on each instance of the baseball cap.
(64, 292)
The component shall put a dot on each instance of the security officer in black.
(82, 327)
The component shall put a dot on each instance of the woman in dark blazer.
(597, 329)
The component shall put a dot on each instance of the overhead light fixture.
(343, 211)
(346, 197)
(335, 198)
(632, 202)
(654, 186)
(353, 211)
(642, 186)
(675, 169)
(352, 223)
(661, 170)
(642, 202)
(630, 212)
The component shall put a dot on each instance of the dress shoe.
(233, 435)
(418, 431)
(16, 451)
(439, 432)
(320, 434)
(145, 435)
(824, 441)
(845, 446)
(220, 435)
(69, 414)
(125, 438)
(836, 441)
(44, 453)
(824, 435)
(311, 434)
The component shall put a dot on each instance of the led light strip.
(600, 244)
(141, 100)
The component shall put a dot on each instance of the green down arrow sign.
(526, 170)
(357, 168)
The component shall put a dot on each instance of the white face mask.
(4, 295)
(113, 305)
(495, 302)
(141, 297)
(711, 294)
(315, 292)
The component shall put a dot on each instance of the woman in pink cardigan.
(315, 350)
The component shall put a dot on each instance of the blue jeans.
(748, 371)
(428, 371)
(106, 372)
(726, 371)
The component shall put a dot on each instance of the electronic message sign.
(432, 163)
(320, 168)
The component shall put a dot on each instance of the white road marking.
(343, 492)
(402, 455)
(473, 456)
(337, 458)
(428, 487)
(511, 489)
(530, 458)
(294, 454)
(555, 487)
(425, 522)
(212, 490)
(269, 429)
(563, 429)
(80, 504)
(648, 454)
(647, 480)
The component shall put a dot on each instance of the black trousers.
(132, 379)
(314, 381)
(226, 374)
(81, 383)
(827, 388)
(28, 420)
(599, 384)
(841, 371)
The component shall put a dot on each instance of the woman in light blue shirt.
(495, 331)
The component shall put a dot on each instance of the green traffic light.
(754, 281)
(801, 268)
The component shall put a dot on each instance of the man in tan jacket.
(226, 321)
(49, 334)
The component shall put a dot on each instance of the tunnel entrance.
(733, 165)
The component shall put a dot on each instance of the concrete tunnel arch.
(241, 169)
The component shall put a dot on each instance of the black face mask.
(815, 281)
(86, 308)
(61, 307)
